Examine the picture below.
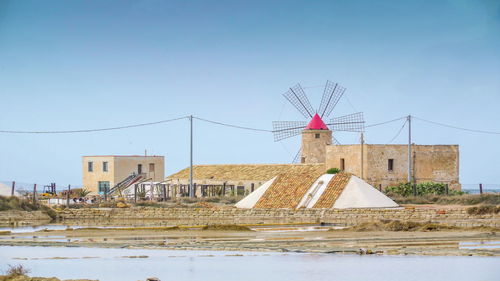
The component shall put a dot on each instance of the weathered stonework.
(314, 143)
(203, 216)
(435, 163)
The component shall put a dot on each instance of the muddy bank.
(27, 278)
(278, 238)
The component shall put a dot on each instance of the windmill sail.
(331, 96)
(287, 129)
(299, 100)
(350, 123)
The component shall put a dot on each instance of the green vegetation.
(333, 171)
(17, 204)
(424, 188)
(83, 192)
(483, 210)
(465, 199)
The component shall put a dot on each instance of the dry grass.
(396, 225)
(226, 227)
(483, 210)
(16, 270)
(465, 199)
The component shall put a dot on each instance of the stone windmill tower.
(316, 135)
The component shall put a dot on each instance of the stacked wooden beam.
(333, 191)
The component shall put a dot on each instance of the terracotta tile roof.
(333, 190)
(238, 172)
(288, 189)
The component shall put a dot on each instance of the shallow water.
(132, 264)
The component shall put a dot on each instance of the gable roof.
(239, 172)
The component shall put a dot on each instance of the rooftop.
(259, 172)
(122, 156)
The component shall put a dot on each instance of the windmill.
(332, 94)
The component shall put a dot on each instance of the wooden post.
(447, 189)
(135, 193)
(164, 192)
(380, 187)
(67, 196)
(480, 188)
(13, 188)
(34, 193)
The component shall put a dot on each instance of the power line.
(94, 130)
(458, 128)
(386, 122)
(234, 126)
(399, 132)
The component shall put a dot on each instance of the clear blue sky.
(87, 64)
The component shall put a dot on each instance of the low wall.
(23, 217)
(202, 216)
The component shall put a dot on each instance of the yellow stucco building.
(102, 172)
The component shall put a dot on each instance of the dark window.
(90, 166)
(316, 136)
(103, 186)
(151, 167)
(342, 164)
(302, 160)
(390, 165)
(104, 166)
(139, 169)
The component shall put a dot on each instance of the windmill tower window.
(316, 136)
(390, 165)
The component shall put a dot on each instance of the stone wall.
(23, 217)
(202, 216)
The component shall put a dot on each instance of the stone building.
(382, 165)
(103, 172)
(385, 165)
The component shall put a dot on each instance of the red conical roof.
(316, 124)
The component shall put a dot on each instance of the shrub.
(15, 270)
(333, 171)
(484, 209)
(425, 188)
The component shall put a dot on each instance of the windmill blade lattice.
(287, 129)
(331, 96)
(349, 123)
(299, 100)
(296, 159)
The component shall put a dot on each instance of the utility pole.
(191, 187)
(410, 162)
(362, 158)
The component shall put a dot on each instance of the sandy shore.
(280, 238)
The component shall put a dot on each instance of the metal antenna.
(331, 96)
(350, 123)
(299, 100)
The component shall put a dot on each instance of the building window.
(390, 165)
(90, 166)
(342, 164)
(151, 167)
(316, 136)
(302, 160)
(139, 169)
(104, 166)
(103, 187)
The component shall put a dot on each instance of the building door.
(103, 187)
(139, 169)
